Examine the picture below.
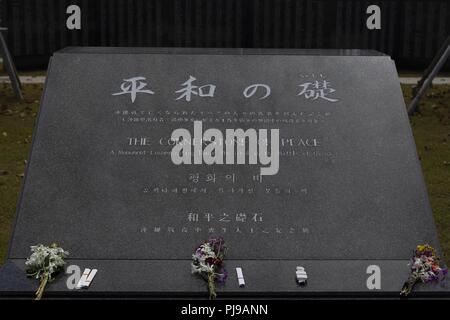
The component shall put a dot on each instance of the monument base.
(168, 279)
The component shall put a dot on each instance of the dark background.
(411, 30)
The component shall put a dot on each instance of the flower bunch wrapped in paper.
(208, 262)
(44, 263)
(424, 268)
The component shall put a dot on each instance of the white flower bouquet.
(44, 263)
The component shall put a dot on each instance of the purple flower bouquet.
(207, 261)
(424, 268)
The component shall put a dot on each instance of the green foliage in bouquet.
(44, 263)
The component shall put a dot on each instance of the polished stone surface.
(101, 183)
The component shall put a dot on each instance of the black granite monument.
(346, 194)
